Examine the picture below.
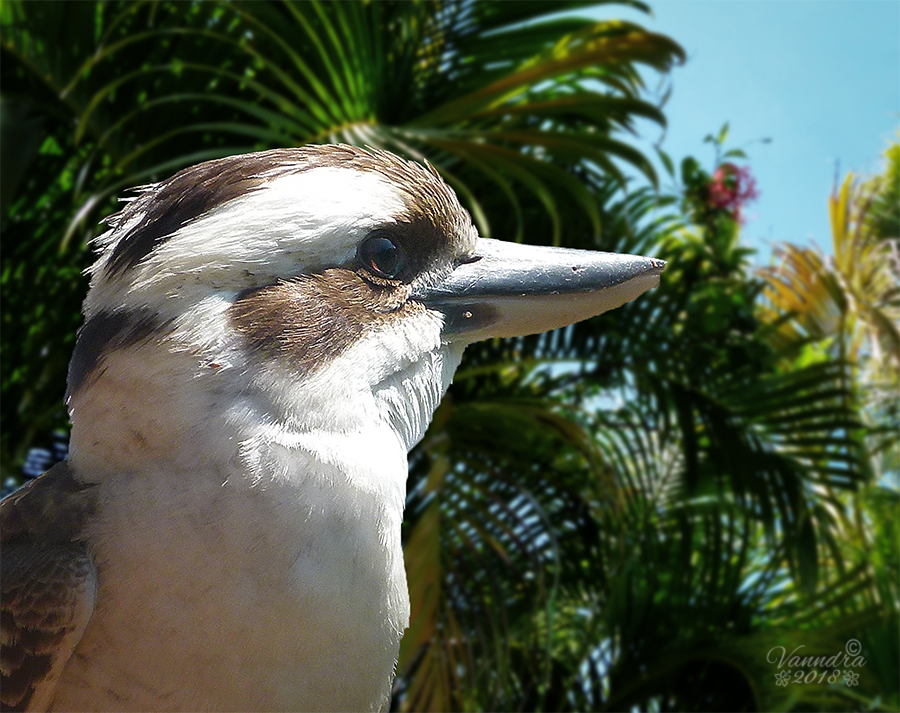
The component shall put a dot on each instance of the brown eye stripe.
(308, 321)
(104, 332)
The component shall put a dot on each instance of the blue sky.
(820, 78)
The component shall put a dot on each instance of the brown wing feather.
(47, 585)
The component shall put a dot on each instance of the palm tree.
(846, 307)
(600, 517)
(849, 303)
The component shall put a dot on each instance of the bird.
(265, 338)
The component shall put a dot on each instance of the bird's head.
(317, 287)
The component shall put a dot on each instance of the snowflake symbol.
(783, 678)
(851, 677)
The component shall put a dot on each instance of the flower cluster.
(731, 188)
(716, 201)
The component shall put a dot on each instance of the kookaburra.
(265, 338)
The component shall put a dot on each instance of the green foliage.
(848, 306)
(634, 505)
(883, 215)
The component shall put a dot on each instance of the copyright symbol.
(853, 647)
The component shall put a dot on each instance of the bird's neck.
(169, 406)
(144, 410)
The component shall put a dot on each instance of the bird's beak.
(510, 290)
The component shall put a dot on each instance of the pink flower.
(731, 188)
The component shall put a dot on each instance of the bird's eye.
(380, 255)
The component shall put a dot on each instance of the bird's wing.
(48, 585)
